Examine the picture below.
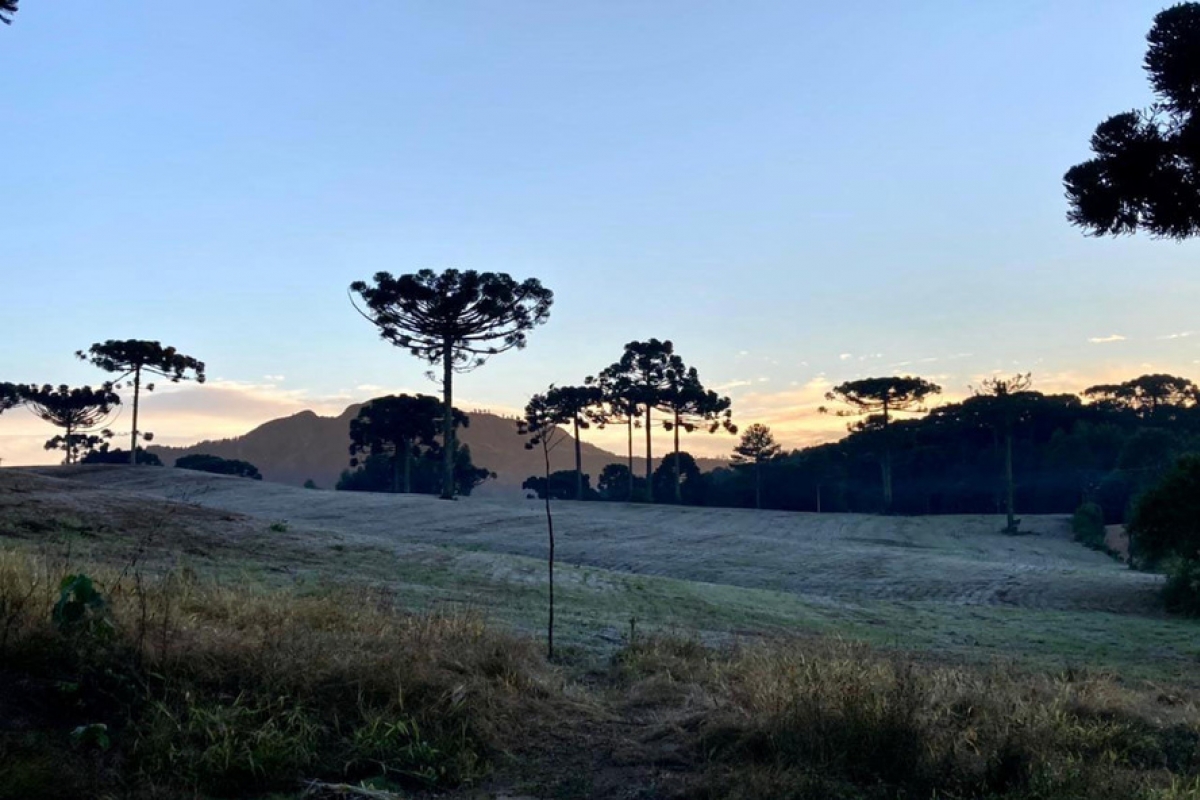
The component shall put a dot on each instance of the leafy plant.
(80, 607)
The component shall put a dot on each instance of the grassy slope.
(595, 604)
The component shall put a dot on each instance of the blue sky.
(795, 193)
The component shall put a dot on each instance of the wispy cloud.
(1115, 337)
(1181, 335)
(846, 356)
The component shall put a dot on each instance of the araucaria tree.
(456, 319)
(877, 400)
(1145, 171)
(575, 406)
(541, 424)
(757, 447)
(641, 375)
(82, 414)
(688, 406)
(395, 427)
(134, 359)
(7, 9)
(1000, 403)
(1149, 396)
(10, 396)
(618, 406)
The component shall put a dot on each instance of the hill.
(306, 446)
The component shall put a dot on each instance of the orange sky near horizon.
(184, 414)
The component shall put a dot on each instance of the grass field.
(264, 642)
(952, 586)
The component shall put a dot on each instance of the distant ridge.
(306, 446)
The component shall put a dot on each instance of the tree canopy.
(1144, 174)
(203, 462)
(455, 318)
(641, 376)
(399, 427)
(577, 406)
(689, 406)
(756, 447)
(1147, 395)
(876, 400)
(7, 9)
(133, 358)
(81, 412)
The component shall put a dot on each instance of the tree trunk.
(758, 484)
(397, 469)
(408, 448)
(550, 559)
(137, 389)
(447, 421)
(885, 465)
(818, 498)
(678, 488)
(578, 464)
(1011, 526)
(631, 457)
(649, 461)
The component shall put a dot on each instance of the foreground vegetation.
(125, 684)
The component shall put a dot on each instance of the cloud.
(274, 378)
(1115, 337)
(1182, 335)
(846, 356)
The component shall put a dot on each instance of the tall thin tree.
(132, 359)
(642, 374)
(1000, 401)
(542, 424)
(575, 404)
(757, 447)
(457, 319)
(618, 406)
(689, 406)
(877, 400)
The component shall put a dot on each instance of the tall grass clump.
(830, 720)
(177, 686)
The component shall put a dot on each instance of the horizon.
(791, 212)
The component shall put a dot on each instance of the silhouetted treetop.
(125, 357)
(1146, 395)
(1145, 170)
(7, 9)
(81, 412)
(455, 318)
(475, 314)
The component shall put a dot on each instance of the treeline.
(1107, 446)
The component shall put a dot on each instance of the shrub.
(1166, 520)
(1181, 593)
(1088, 525)
(202, 462)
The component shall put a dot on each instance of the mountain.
(306, 446)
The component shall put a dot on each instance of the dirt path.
(830, 558)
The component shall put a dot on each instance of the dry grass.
(203, 688)
(183, 687)
(822, 718)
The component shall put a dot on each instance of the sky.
(795, 194)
